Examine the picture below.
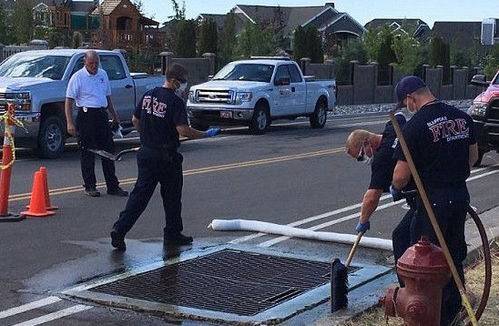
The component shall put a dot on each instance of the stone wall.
(364, 88)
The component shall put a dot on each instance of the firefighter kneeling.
(425, 272)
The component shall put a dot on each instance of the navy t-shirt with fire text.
(438, 137)
(159, 112)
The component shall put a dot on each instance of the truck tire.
(260, 120)
(319, 117)
(478, 162)
(51, 137)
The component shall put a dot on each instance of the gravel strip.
(385, 107)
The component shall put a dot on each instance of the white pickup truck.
(255, 92)
(37, 80)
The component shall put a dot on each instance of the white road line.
(326, 224)
(339, 211)
(28, 306)
(482, 175)
(55, 315)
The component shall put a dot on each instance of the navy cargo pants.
(155, 166)
(450, 208)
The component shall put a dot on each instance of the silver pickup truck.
(36, 81)
(255, 92)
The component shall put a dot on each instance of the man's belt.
(86, 108)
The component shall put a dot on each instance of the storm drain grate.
(229, 281)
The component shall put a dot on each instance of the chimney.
(329, 4)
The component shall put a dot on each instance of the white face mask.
(363, 158)
(182, 87)
(180, 91)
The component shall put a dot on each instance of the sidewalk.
(370, 298)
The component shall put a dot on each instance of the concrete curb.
(490, 222)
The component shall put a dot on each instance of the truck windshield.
(52, 67)
(246, 71)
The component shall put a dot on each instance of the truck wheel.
(481, 153)
(260, 120)
(319, 117)
(51, 137)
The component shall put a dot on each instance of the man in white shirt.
(89, 87)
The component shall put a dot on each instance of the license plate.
(226, 114)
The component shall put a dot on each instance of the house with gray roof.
(479, 36)
(417, 27)
(284, 20)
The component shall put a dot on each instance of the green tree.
(4, 38)
(314, 44)
(308, 44)
(354, 50)
(492, 62)
(460, 57)
(439, 53)
(22, 20)
(179, 10)
(299, 44)
(379, 45)
(408, 53)
(256, 40)
(208, 38)
(76, 40)
(185, 38)
(228, 41)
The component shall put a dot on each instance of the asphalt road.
(292, 174)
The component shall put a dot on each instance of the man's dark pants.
(155, 166)
(94, 132)
(450, 207)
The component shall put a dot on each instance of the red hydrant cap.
(424, 256)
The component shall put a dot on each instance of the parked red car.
(485, 113)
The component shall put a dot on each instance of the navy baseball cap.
(406, 86)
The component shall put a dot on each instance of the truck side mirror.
(479, 80)
(282, 81)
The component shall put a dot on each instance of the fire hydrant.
(425, 272)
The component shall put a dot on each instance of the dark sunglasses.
(360, 157)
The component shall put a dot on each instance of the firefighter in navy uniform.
(442, 144)
(160, 117)
(377, 150)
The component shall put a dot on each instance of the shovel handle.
(354, 248)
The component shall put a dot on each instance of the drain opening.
(229, 281)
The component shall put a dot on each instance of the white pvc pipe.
(289, 231)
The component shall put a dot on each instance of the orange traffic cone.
(43, 170)
(37, 205)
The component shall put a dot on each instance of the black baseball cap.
(406, 86)
(178, 72)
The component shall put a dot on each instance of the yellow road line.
(209, 169)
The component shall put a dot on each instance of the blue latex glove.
(396, 193)
(362, 227)
(212, 132)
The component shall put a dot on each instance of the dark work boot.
(118, 240)
(177, 240)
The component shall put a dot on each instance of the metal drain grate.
(228, 281)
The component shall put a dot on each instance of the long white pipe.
(289, 231)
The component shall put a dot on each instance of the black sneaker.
(92, 192)
(118, 241)
(117, 192)
(177, 240)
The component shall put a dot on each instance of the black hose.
(488, 264)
